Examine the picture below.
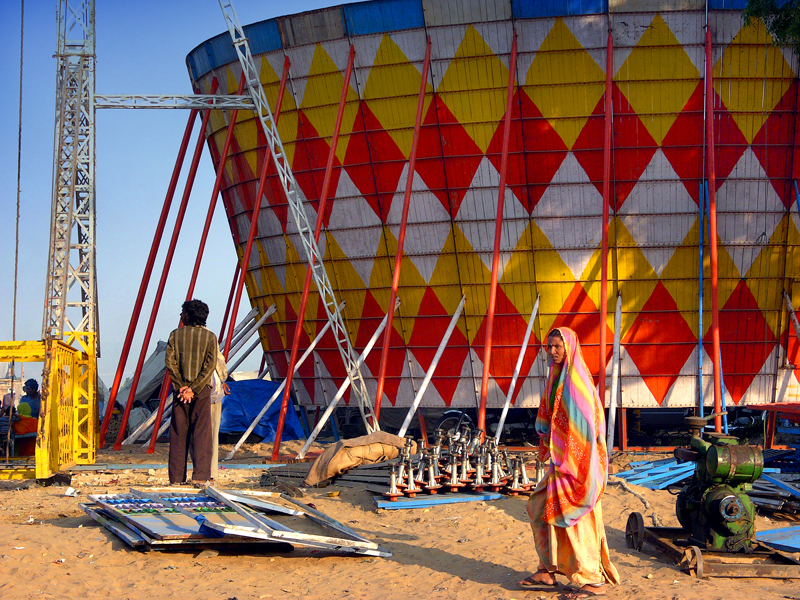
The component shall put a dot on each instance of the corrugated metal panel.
(220, 51)
(632, 6)
(552, 222)
(312, 27)
(727, 4)
(532, 9)
(383, 16)
(263, 36)
(457, 12)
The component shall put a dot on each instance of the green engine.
(714, 507)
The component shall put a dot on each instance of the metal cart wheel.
(692, 562)
(634, 531)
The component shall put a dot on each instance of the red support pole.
(323, 201)
(422, 428)
(148, 269)
(164, 392)
(230, 300)
(498, 230)
(712, 242)
(262, 182)
(606, 202)
(401, 238)
(198, 150)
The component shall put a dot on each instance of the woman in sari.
(564, 509)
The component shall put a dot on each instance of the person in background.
(564, 509)
(191, 359)
(25, 423)
(32, 397)
(219, 389)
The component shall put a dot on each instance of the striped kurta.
(191, 357)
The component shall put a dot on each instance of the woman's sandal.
(529, 583)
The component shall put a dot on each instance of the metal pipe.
(262, 182)
(246, 353)
(606, 201)
(342, 389)
(711, 180)
(701, 282)
(251, 330)
(517, 369)
(148, 269)
(278, 391)
(612, 404)
(162, 395)
(498, 231)
(401, 238)
(792, 314)
(198, 151)
(429, 374)
(323, 202)
(230, 301)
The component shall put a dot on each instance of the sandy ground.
(50, 549)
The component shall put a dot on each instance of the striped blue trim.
(727, 4)
(531, 9)
(379, 16)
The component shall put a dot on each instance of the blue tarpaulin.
(245, 401)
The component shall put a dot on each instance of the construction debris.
(159, 519)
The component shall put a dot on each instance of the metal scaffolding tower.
(71, 293)
(305, 230)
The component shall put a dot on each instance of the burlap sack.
(346, 454)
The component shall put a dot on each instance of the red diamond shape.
(633, 147)
(773, 145)
(370, 319)
(659, 342)
(310, 160)
(374, 158)
(729, 143)
(508, 331)
(447, 158)
(535, 151)
(745, 340)
(581, 315)
(429, 328)
(683, 144)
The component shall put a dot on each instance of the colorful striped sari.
(572, 435)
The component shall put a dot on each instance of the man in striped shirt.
(191, 359)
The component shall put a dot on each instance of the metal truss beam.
(71, 294)
(305, 230)
(195, 101)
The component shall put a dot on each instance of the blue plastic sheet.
(245, 401)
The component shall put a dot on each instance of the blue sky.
(141, 48)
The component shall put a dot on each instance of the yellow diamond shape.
(391, 93)
(474, 88)
(658, 78)
(321, 100)
(410, 291)
(751, 78)
(347, 284)
(564, 82)
(637, 279)
(765, 276)
(287, 121)
(554, 279)
(679, 276)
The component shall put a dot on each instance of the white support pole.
(517, 369)
(277, 393)
(439, 351)
(343, 388)
(250, 331)
(612, 403)
(244, 356)
(147, 425)
(792, 315)
(248, 318)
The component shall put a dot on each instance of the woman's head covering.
(24, 409)
(573, 434)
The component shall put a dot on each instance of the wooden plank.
(429, 501)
